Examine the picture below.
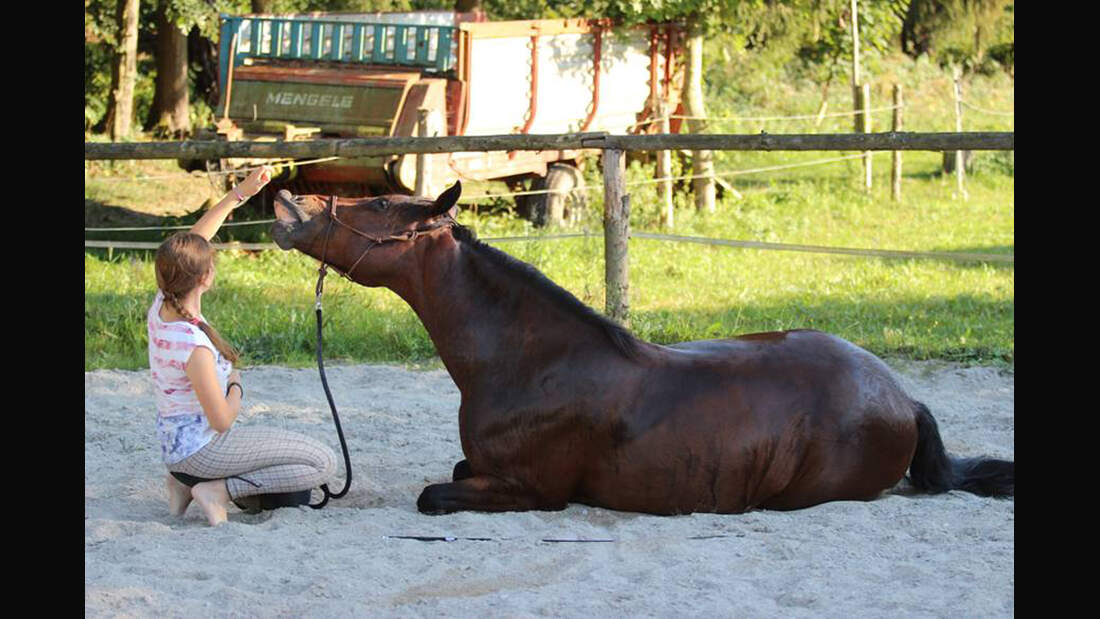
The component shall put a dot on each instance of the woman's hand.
(234, 377)
(255, 181)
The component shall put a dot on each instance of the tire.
(564, 206)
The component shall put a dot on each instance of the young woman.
(198, 393)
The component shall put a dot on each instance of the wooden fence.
(616, 200)
(363, 147)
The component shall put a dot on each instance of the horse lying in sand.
(560, 404)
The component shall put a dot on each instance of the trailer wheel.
(565, 205)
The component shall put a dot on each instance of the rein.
(407, 236)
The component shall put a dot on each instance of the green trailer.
(296, 77)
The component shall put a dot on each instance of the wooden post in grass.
(895, 175)
(960, 173)
(861, 95)
(865, 118)
(664, 171)
(616, 231)
(422, 180)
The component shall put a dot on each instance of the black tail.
(932, 470)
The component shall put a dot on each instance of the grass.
(917, 309)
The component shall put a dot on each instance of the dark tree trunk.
(170, 114)
(202, 54)
(467, 6)
(920, 22)
(263, 6)
(120, 110)
(702, 161)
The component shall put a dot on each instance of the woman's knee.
(328, 463)
(323, 459)
(316, 453)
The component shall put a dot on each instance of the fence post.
(895, 176)
(664, 171)
(423, 182)
(865, 119)
(960, 172)
(616, 231)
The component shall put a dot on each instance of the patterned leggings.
(258, 460)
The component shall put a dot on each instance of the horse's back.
(814, 357)
(804, 344)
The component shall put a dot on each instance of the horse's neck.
(477, 314)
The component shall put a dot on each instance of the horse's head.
(363, 237)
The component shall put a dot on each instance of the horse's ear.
(446, 200)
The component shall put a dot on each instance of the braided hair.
(183, 260)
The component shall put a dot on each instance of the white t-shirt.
(181, 423)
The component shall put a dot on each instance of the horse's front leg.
(480, 493)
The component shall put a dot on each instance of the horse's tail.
(934, 471)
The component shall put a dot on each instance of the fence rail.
(702, 240)
(616, 201)
(364, 147)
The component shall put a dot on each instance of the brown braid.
(225, 348)
(183, 260)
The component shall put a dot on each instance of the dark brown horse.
(560, 404)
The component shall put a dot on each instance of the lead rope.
(319, 290)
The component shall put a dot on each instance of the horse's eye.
(382, 204)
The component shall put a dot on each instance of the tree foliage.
(976, 34)
(973, 34)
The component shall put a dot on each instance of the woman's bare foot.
(179, 495)
(213, 497)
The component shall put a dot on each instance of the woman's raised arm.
(207, 225)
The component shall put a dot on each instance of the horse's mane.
(623, 340)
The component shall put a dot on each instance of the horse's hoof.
(462, 471)
(432, 501)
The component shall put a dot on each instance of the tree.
(174, 49)
(170, 112)
(957, 32)
(120, 111)
(202, 55)
(703, 17)
(702, 161)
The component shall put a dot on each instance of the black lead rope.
(410, 235)
(331, 404)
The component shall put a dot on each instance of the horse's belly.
(732, 452)
(673, 471)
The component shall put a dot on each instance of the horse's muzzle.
(289, 215)
(287, 208)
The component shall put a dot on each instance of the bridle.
(408, 236)
(374, 241)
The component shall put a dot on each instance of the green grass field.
(913, 308)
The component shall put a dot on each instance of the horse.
(561, 404)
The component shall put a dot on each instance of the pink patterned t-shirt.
(181, 423)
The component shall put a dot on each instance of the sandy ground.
(901, 555)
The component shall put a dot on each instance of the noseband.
(373, 241)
